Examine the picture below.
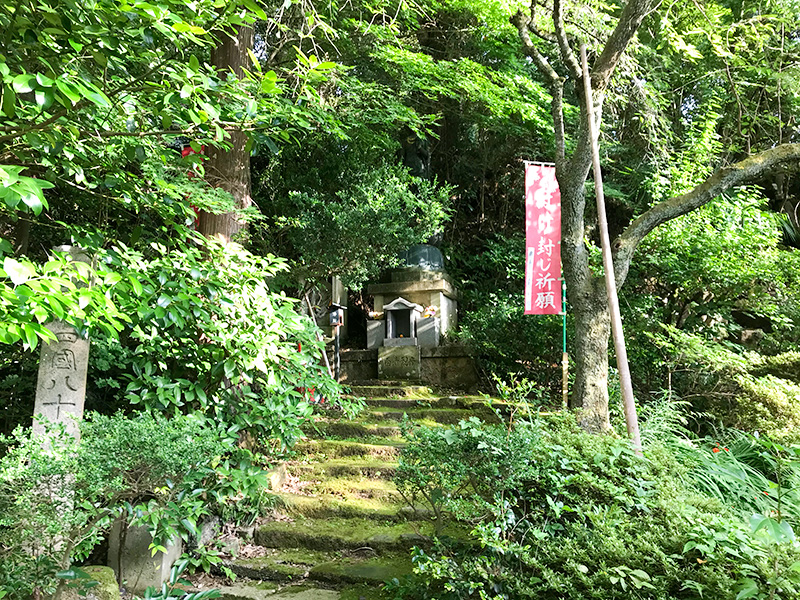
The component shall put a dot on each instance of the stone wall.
(448, 366)
(359, 365)
(445, 366)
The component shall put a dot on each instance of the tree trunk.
(229, 169)
(586, 293)
(22, 234)
(592, 330)
(587, 297)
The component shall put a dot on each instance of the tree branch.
(555, 81)
(19, 131)
(521, 22)
(563, 44)
(629, 22)
(746, 171)
(542, 35)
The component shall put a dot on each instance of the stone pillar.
(130, 556)
(428, 332)
(63, 364)
(376, 332)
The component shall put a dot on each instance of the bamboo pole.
(564, 355)
(628, 403)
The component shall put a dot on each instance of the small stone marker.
(63, 364)
(129, 555)
(399, 362)
(61, 384)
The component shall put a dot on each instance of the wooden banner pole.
(628, 403)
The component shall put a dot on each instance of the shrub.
(745, 391)
(557, 513)
(58, 497)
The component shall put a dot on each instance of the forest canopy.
(217, 163)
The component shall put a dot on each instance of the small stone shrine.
(413, 310)
(418, 305)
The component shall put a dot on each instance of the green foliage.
(94, 102)
(174, 587)
(722, 257)
(209, 334)
(742, 390)
(60, 289)
(557, 513)
(58, 496)
(518, 391)
(718, 273)
(85, 88)
(492, 320)
(360, 223)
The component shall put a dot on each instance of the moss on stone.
(263, 585)
(307, 593)
(374, 570)
(281, 565)
(349, 429)
(106, 588)
(335, 534)
(341, 449)
(364, 592)
(439, 416)
(358, 487)
(372, 468)
(324, 506)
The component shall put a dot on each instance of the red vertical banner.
(542, 241)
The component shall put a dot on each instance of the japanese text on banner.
(542, 241)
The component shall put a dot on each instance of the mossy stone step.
(339, 467)
(404, 403)
(350, 430)
(373, 391)
(373, 570)
(341, 449)
(373, 488)
(253, 590)
(245, 590)
(288, 573)
(443, 416)
(282, 565)
(427, 402)
(343, 534)
(328, 506)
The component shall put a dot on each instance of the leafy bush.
(210, 334)
(742, 390)
(557, 513)
(58, 497)
(492, 319)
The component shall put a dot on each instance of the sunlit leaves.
(22, 193)
(210, 335)
(31, 295)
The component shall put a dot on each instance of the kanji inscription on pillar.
(61, 384)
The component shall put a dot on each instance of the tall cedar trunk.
(229, 169)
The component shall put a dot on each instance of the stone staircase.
(341, 528)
